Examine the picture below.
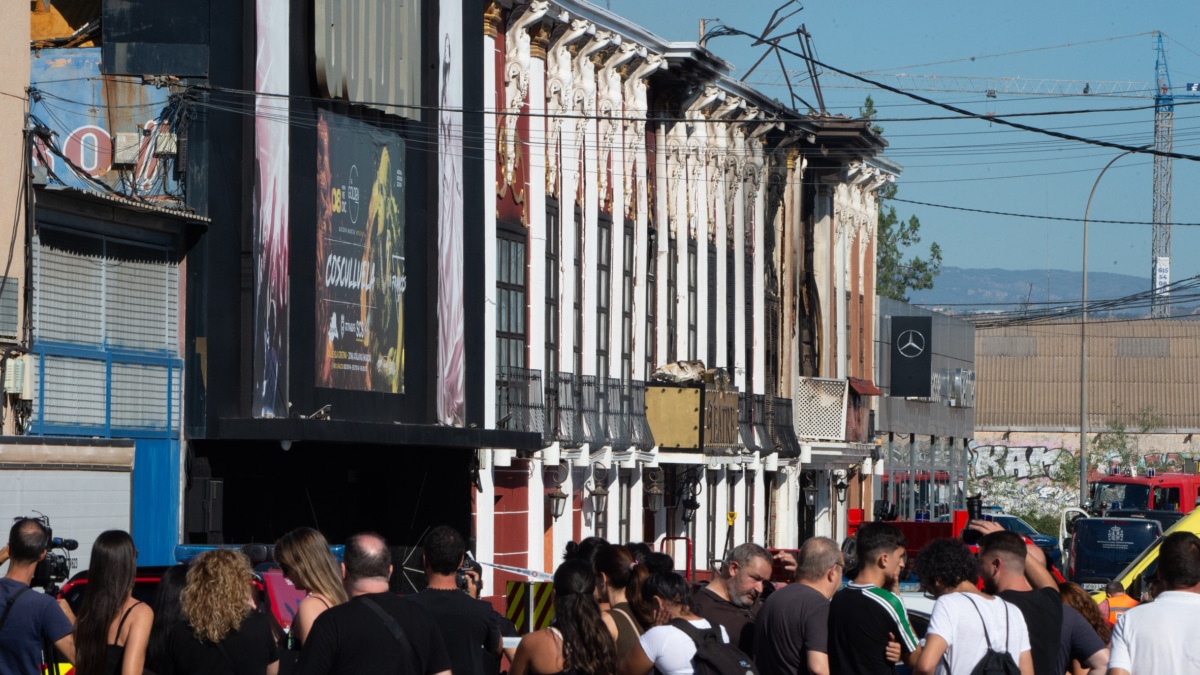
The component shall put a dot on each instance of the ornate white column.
(635, 190)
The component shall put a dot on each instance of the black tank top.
(116, 653)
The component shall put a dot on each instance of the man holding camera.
(29, 619)
(468, 626)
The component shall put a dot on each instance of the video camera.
(55, 567)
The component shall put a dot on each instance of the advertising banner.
(912, 356)
(451, 365)
(360, 256)
(271, 209)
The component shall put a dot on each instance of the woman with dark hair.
(966, 622)
(666, 648)
(221, 632)
(619, 575)
(167, 612)
(585, 549)
(113, 628)
(303, 555)
(579, 642)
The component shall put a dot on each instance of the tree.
(895, 276)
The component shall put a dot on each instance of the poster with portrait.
(360, 256)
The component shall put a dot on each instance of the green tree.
(895, 274)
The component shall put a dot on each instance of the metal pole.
(1083, 468)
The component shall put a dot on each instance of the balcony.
(784, 428)
(519, 404)
(597, 411)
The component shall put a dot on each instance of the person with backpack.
(970, 632)
(682, 643)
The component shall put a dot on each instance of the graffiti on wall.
(1017, 462)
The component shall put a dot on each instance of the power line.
(1029, 215)
(998, 120)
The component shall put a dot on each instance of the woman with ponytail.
(113, 628)
(618, 577)
(579, 642)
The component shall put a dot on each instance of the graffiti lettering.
(1021, 463)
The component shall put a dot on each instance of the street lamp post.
(1083, 468)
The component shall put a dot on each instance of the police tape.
(521, 571)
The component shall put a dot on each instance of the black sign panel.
(912, 355)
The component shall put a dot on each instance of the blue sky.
(975, 164)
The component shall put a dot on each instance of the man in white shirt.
(966, 622)
(1159, 637)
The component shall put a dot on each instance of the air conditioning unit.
(15, 380)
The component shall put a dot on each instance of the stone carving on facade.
(719, 150)
(636, 109)
(610, 107)
(583, 97)
(559, 81)
(674, 177)
(517, 60)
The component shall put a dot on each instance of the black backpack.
(994, 662)
(714, 656)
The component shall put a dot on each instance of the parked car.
(1102, 547)
(1047, 543)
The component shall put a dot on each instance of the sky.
(977, 164)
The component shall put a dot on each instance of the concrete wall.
(14, 78)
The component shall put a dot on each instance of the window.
(578, 305)
(692, 293)
(711, 326)
(730, 310)
(603, 292)
(627, 304)
(748, 287)
(651, 302)
(510, 299)
(672, 354)
(553, 287)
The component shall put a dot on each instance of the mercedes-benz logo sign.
(911, 344)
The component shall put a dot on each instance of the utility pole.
(1164, 123)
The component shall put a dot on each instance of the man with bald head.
(377, 631)
(792, 627)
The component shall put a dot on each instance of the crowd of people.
(618, 610)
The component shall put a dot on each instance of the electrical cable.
(967, 113)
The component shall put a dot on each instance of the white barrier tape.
(527, 573)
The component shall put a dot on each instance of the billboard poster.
(360, 256)
(912, 356)
(270, 210)
(451, 366)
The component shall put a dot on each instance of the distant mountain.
(972, 290)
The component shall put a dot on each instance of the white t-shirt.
(956, 622)
(671, 649)
(1158, 638)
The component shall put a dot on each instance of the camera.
(55, 567)
(461, 576)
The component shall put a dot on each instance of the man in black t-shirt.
(468, 626)
(867, 618)
(1009, 571)
(376, 631)
(792, 628)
